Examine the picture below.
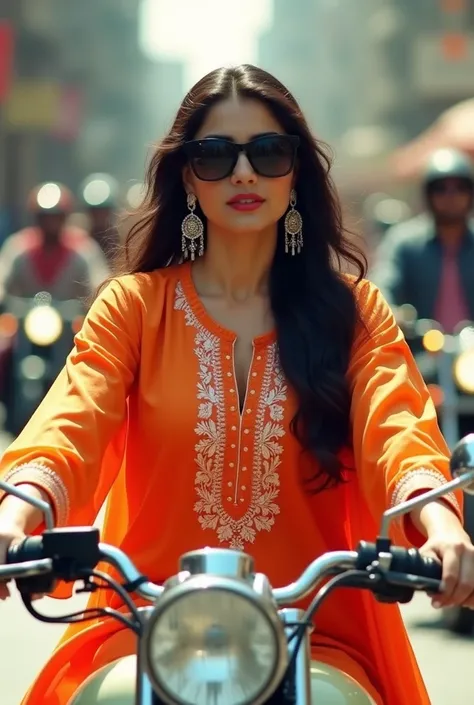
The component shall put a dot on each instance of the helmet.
(99, 191)
(50, 197)
(448, 163)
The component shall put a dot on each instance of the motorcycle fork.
(144, 691)
(144, 694)
(301, 675)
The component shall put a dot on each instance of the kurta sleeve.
(61, 448)
(398, 447)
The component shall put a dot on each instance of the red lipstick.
(246, 202)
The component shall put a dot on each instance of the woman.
(251, 397)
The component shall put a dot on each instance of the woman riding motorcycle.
(233, 388)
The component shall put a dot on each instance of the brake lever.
(392, 586)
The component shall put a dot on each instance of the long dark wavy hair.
(313, 304)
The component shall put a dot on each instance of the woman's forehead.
(240, 119)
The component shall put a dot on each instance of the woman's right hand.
(10, 534)
(17, 519)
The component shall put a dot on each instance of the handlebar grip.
(430, 568)
(408, 561)
(30, 549)
(411, 561)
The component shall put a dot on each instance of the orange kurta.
(147, 407)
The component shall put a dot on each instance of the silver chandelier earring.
(192, 230)
(293, 227)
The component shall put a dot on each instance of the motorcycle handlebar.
(119, 560)
(26, 569)
(402, 560)
(27, 559)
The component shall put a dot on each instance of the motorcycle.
(41, 333)
(217, 632)
(447, 365)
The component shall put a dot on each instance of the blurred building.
(78, 95)
(288, 50)
(371, 74)
(430, 52)
(320, 49)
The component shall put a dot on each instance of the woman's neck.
(236, 271)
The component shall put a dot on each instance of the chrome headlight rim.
(33, 322)
(216, 583)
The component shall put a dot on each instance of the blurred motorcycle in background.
(447, 365)
(36, 336)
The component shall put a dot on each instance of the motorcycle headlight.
(43, 325)
(463, 371)
(214, 640)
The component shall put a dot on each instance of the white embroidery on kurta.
(421, 479)
(37, 473)
(211, 446)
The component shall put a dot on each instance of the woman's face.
(240, 120)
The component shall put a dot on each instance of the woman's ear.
(188, 179)
(295, 174)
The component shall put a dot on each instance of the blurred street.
(445, 660)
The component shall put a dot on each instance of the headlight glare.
(214, 640)
(463, 371)
(43, 325)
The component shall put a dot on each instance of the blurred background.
(88, 86)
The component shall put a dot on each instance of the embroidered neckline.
(205, 319)
(212, 431)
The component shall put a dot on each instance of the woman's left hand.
(453, 548)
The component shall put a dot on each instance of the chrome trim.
(119, 560)
(238, 587)
(419, 501)
(316, 571)
(28, 569)
(39, 504)
(218, 561)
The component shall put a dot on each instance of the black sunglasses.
(215, 158)
(452, 185)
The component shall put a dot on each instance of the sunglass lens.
(451, 186)
(213, 160)
(272, 156)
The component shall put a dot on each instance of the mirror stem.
(420, 501)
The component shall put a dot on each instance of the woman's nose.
(243, 171)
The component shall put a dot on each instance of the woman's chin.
(248, 223)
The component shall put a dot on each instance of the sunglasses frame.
(190, 149)
(440, 186)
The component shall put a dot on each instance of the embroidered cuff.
(45, 479)
(422, 479)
